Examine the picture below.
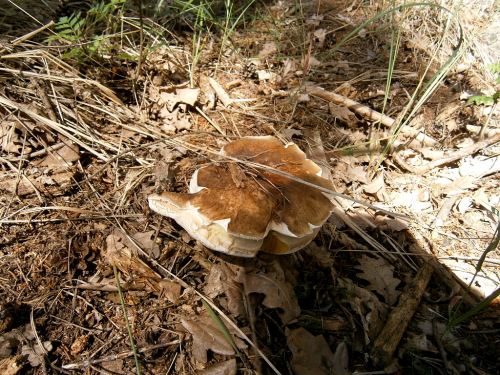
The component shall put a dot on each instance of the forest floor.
(105, 107)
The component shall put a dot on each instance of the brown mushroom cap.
(261, 210)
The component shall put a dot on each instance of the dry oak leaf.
(174, 95)
(63, 157)
(311, 354)
(221, 281)
(380, 275)
(372, 313)
(208, 336)
(279, 293)
(222, 368)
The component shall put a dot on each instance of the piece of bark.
(389, 338)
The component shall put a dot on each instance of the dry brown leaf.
(55, 184)
(289, 132)
(121, 256)
(174, 95)
(173, 121)
(430, 153)
(370, 310)
(357, 174)
(268, 49)
(222, 368)
(311, 354)
(10, 340)
(63, 157)
(221, 281)
(279, 293)
(171, 290)
(459, 185)
(380, 275)
(10, 140)
(208, 336)
(377, 187)
(34, 353)
(146, 242)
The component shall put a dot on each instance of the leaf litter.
(100, 153)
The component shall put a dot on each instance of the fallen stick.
(445, 276)
(354, 106)
(367, 113)
(389, 338)
(454, 156)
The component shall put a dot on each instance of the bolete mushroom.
(240, 210)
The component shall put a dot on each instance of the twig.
(58, 220)
(454, 156)
(450, 369)
(354, 106)
(217, 127)
(28, 36)
(388, 340)
(122, 355)
(493, 261)
(45, 99)
(445, 276)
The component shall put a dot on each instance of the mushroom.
(240, 210)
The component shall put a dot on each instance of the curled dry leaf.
(10, 140)
(208, 336)
(79, 345)
(221, 93)
(377, 187)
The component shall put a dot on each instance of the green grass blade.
(129, 329)
(224, 330)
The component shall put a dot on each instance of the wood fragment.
(389, 338)
(11, 365)
(221, 93)
(445, 210)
